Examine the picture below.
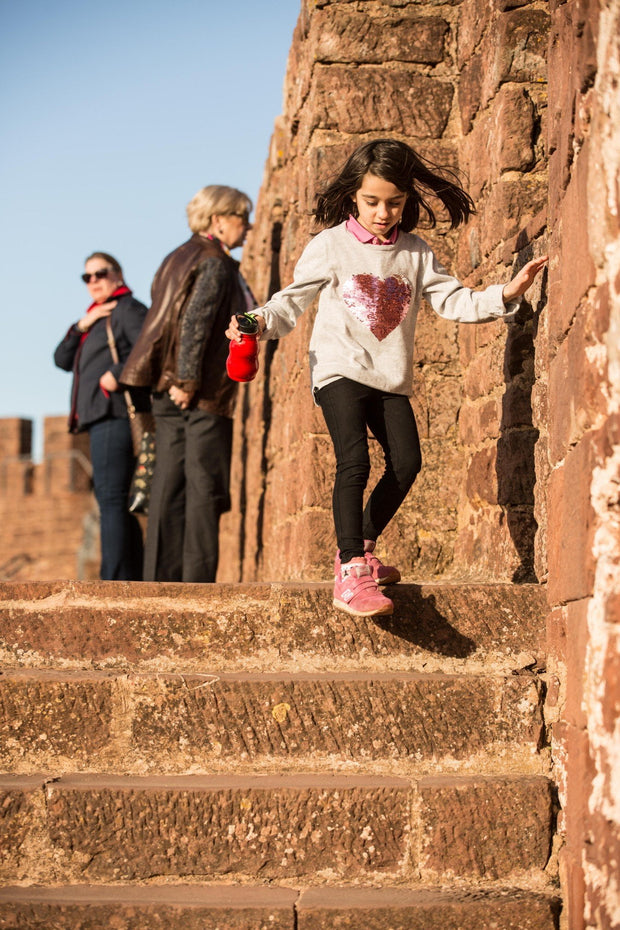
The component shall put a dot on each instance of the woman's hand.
(523, 279)
(233, 332)
(101, 310)
(107, 382)
(180, 397)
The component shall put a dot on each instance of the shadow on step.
(417, 620)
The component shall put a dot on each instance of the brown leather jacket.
(194, 293)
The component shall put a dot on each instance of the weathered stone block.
(577, 637)
(21, 821)
(180, 626)
(115, 829)
(486, 371)
(309, 534)
(571, 530)
(509, 207)
(405, 909)
(43, 714)
(502, 139)
(481, 484)
(514, 50)
(366, 100)
(487, 828)
(205, 719)
(572, 67)
(343, 36)
(578, 382)
(474, 19)
(182, 907)
(15, 442)
(568, 284)
(542, 469)
(498, 542)
(435, 338)
(480, 421)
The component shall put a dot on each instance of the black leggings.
(350, 409)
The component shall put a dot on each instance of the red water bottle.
(242, 361)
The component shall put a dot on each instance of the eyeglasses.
(98, 275)
(242, 216)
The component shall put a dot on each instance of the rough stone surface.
(470, 827)
(533, 153)
(145, 763)
(415, 910)
(185, 907)
(313, 827)
(415, 71)
(112, 829)
(238, 908)
(160, 723)
(258, 625)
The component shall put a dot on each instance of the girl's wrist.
(507, 297)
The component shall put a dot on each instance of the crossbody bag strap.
(131, 410)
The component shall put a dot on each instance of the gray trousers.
(190, 490)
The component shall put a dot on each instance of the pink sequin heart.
(381, 304)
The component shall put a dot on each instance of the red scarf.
(119, 292)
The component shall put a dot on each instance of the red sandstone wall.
(520, 427)
(436, 75)
(581, 358)
(502, 96)
(47, 511)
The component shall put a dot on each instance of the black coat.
(90, 359)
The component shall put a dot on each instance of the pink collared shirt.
(362, 235)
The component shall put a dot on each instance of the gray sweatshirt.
(368, 306)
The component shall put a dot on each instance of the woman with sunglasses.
(181, 355)
(98, 407)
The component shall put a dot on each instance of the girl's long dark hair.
(397, 163)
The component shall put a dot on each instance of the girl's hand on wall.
(523, 279)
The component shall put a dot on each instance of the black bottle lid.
(247, 324)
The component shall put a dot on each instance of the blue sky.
(113, 116)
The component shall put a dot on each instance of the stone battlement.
(48, 512)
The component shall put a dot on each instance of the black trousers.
(350, 410)
(190, 491)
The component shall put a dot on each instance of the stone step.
(197, 907)
(67, 721)
(267, 627)
(291, 828)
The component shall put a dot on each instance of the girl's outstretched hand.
(523, 279)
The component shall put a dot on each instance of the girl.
(371, 273)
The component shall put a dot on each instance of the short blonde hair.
(215, 200)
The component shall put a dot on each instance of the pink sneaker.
(356, 591)
(383, 574)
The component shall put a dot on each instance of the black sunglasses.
(99, 275)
